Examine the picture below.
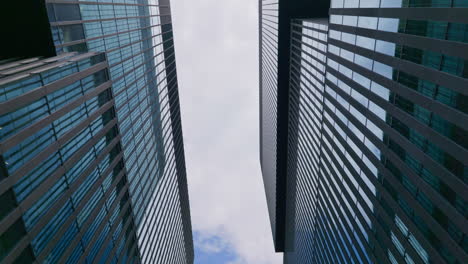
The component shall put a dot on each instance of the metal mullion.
(95, 3)
(455, 15)
(143, 51)
(88, 222)
(136, 79)
(372, 235)
(113, 227)
(299, 23)
(325, 237)
(451, 81)
(158, 202)
(25, 241)
(86, 252)
(75, 42)
(143, 137)
(8, 182)
(446, 144)
(378, 185)
(346, 210)
(301, 42)
(321, 226)
(304, 160)
(338, 227)
(312, 66)
(60, 142)
(44, 90)
(443, 46)
(371, 197)
(75, 185)
(304, 94)
(308, 97)
(448, 113)
(165, 223)
(135, 94)
(134, 248)
(73, 22)
(436, 168)
(122, 233)
(350, 100)
(37, 125)
(447, 208)
(319, 243)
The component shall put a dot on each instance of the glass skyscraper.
(91, 148)
(374, 164)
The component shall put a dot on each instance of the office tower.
(91, 143)
(374, 162)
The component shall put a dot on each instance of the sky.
(216, 45)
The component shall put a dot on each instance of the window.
(67, 12)
(72, 32)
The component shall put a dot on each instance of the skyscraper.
(370, 159)
(92, 157)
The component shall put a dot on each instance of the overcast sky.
(216, 45)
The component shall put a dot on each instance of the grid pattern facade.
(377, 142)
(136, 36)
(64, 190)
(396, 81)
(132, 209)
(308, 60)
(269, 100)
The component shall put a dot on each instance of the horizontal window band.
(370, 233)
(298, 23)
(443, 142)
(123, 210)
(386, 197)
(457, 15)
(299, 37)
(448, 113)
(450, 81)
(375, 236)
(164, 213)
(440, 202)
(12, 179)
(446, 47)
(161, 205)
(91, 217)
(37, 193)
(301, 42)
(147, 168)
(115, 80)
(44, 220)
(75, 42)
(96, 3)
(442, 234)
(128, 226)
(343, 229)
(74, 22)
(297, 58)
(436, 169)
(23, 134)
(312, 104)
(42, 91)
(360, 182)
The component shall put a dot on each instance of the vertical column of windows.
(386, 79)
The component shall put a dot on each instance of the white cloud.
(216, 45)
(210, 244)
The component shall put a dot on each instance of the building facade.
(135, 212)
(377, 137)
